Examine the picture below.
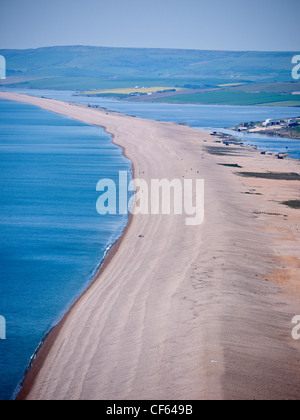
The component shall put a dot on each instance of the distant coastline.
(182, 76)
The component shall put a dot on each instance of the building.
(269, 122)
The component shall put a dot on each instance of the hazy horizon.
(147, 48)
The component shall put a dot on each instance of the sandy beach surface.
(185, 312)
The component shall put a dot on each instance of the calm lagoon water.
(273, 143)
(52, 240)
(211, 117)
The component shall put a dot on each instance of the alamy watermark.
(296, 329)
(2, 67)
(160, 197)
(296, 69)
(2, 328)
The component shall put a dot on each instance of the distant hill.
(82, 67)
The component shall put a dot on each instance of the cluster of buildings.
(282, 122)
(285, 123)
(142, 91)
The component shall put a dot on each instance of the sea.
(52, 240)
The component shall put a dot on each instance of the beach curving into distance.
(185, 312)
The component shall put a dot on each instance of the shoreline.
(158, 101)
(144, 331)
(48, 340)
(246, 143)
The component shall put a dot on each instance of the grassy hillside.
(84, 68)
(236, 78)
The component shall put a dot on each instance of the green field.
(130, 91)
(297, 129)
(283, 103)
(81, 83)
(242, 78)
(274, 87)
(233, 97)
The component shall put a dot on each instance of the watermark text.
(159, 197)
(2, 67)
(296, 329)
(296, 69)
(2, 328)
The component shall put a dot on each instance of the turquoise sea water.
(52, 240)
